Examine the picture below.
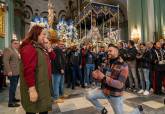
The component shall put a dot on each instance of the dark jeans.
(35, 113)
(151, 78)
(75, 75)
(13, 87)
(82, 74)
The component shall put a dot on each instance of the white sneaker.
(146, 92)
(140, 91)
(163, 89)
(86, 84)
(151, 90)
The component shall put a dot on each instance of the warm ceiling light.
(135, 34)
(3, 6)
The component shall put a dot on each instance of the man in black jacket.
(58, 66)
(159, 66)
(74, 62)
(131, 60)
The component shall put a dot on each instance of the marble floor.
(78, 104)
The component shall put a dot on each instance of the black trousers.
(1, 81)
(82, 74)
(35, 113)
(160, 76)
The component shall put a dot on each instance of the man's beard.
(111, 57)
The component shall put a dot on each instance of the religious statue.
(94, 33)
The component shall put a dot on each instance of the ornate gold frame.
(2, 22)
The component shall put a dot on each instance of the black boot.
(104, 111)
(13, 105)
(16, 100)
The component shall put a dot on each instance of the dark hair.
(143, 44)
(13, 40)
(131, 42)
(110, 45)
(32, 35)
(121, 43)
(113, 46)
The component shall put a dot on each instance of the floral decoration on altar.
(66, 29)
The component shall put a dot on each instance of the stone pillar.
(151, 20)
(159, 13)
(141, 14)
(6, 30)
(9, 23)
(19, 28)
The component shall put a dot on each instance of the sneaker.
(140, 107)
(146, 92)
(104, 111)
(93, 84)
(134, 90)
(73, 87)
(140, 91)
(58, 101)
(83, 86)
(163, 89)
(151, 90)
(65, 96)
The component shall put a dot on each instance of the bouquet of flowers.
(62, 28)
(72, 31)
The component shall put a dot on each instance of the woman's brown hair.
(32, 35)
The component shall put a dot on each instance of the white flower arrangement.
(40, 22)
(65, 30)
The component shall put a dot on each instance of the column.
(151, 20)
(10, 20)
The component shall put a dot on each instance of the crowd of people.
(3, 84)
(45, 67)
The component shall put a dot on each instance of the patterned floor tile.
(74, 104)
(89, 110)
(67, 106)
(153, 104)
(128, 95)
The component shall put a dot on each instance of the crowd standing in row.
(45, 68)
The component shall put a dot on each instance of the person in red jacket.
(35, 78)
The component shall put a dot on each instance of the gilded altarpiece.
(2, 22)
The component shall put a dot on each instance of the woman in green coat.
(35, 75)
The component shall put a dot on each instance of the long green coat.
(42, 85)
